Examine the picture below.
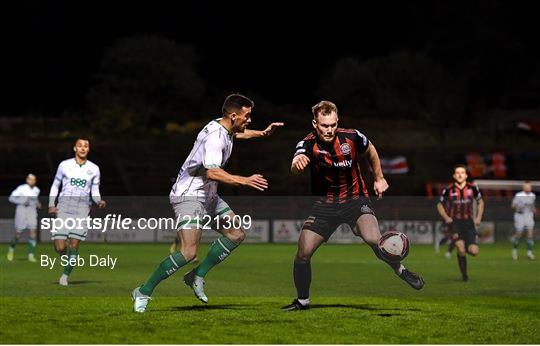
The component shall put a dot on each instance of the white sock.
(400, 269)
(304, 302)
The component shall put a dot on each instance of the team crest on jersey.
(89, 172)
(345, 148)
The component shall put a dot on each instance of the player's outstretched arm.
(248, 134)
(380, 185)
(299, 163)
(255, 181)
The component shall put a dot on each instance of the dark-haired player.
(456, 207)
(79, 179)
(194, 198)
(333, 156)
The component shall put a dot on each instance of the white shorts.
(197, 212)
(23, 223)
(75, 227)
(523, 222)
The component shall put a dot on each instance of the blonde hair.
(324, 107)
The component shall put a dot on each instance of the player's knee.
(303, 257)
(189, 254)
(237, 235)
(473, 251)
(60, 249)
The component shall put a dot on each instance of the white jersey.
(212, 149)
(79, 183)
(523, 203)
(26, 199)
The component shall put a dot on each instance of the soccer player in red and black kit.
(456, 209)
(333, 156)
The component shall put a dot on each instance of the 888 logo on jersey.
(77, 182)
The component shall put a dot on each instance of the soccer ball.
(394, 246)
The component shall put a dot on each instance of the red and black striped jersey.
(458, 203)
(335, 167)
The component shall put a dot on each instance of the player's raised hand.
(257, 182)
(101, 204)
(300, 162)
(271, 128)
(52, 211)
(380, 186)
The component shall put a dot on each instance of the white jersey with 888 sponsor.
(212, 149)
(79, 183)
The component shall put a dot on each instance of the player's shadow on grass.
(360, 307)
(207, 307)
(78, 282)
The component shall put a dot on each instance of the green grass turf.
(355, 299)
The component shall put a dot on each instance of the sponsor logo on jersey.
(345, 148)
(343, 164)
(77, 182)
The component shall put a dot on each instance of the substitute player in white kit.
(80, 179)
(25, 196)
(195, 200)
(523, 204)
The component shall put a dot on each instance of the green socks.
(530, 244)
(14, 242)
(220, 249)
(31, 246)
(72, 253)
(166, 268)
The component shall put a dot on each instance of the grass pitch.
(355, 299)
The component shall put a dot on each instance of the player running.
(25, 196)
(194, 198)
(456, 209)
(80, 179)
(333, 155)
(523, 204)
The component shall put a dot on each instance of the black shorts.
(465, 230)
(326, 217)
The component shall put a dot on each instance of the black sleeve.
(477, 193)
(444, 195)
(304, 147)
(362, 142)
